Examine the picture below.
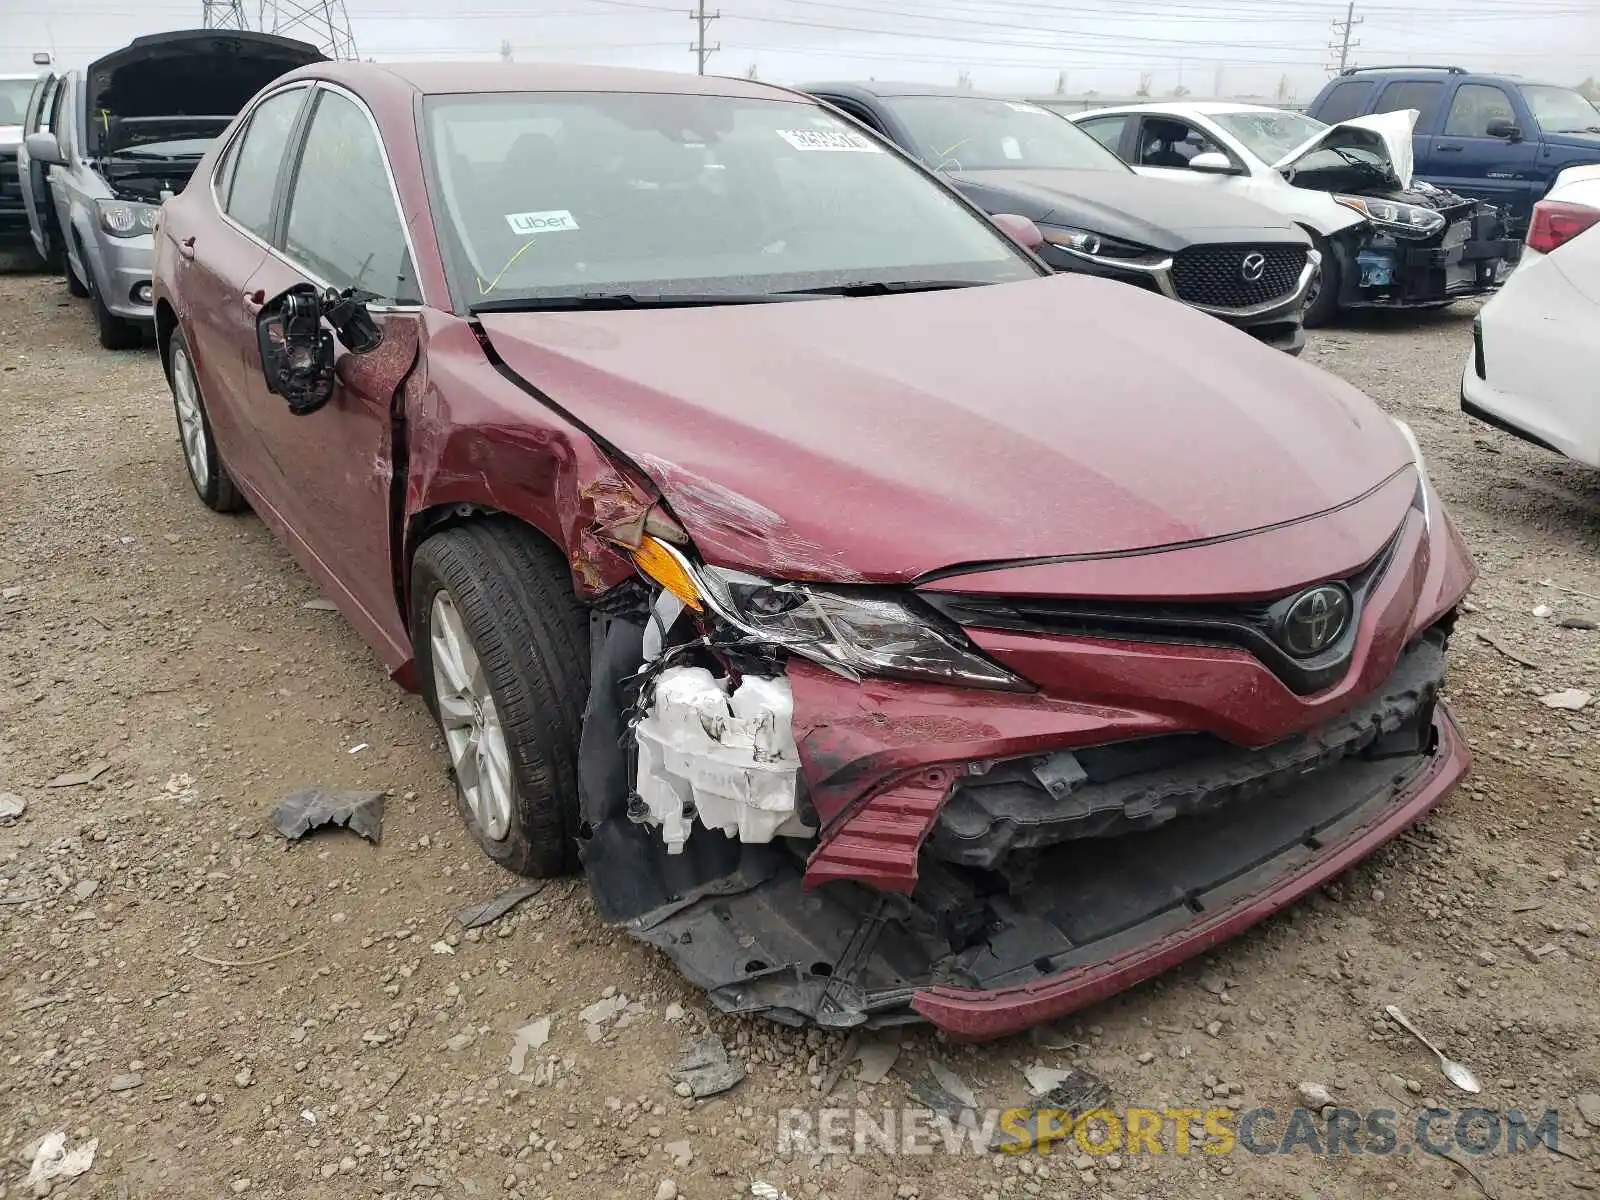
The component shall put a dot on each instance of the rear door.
(217, 259)
(1464, 157)
(42, 224)
(341, 227)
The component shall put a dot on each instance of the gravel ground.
(228, 1014)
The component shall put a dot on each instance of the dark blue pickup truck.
(1493, 137)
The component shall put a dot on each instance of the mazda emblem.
(1253, 267)
(1316, 619)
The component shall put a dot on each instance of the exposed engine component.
(728, 758)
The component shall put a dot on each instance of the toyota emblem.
(1253, 267)
(1316, 619)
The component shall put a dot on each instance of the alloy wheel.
(191, 421)
(471, 721)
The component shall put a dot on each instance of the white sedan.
(1387, 240)
(1535, 364)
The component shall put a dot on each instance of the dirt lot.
(231, 1015)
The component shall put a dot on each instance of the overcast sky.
(1230, 47)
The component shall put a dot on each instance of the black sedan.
(1233, 258)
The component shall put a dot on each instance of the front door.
(1467, 158)
(42, 225)
(340, 227)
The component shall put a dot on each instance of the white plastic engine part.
(730, 759)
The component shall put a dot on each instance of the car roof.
(455, 78)
(890, 91)
(1202, 108)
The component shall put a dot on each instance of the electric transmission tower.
(1341, 44)
(223, 14)
(324, 23)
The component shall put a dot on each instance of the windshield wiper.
(887, 287)
(604, 301)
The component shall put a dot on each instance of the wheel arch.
(166, 323)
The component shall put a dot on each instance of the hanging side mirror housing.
(297, 351)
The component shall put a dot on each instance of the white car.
(1535, 364)
(1387, 240)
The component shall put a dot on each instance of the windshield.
(1561, 110)
(1270, 136)
(970, 133)
(14, 95)
(552, 194)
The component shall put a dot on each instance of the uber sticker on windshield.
(829, 139)
(556, 221)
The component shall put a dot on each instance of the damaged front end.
(1420, 248)
(847, 806)
(1418, 245)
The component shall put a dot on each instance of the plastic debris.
(706, 1068)
(1043, 1079)
(474, 915)
(303, 811)
(52, 1160)
(321, 606)
(877, 1060)
(953, 1083)
(529, 1037)
(762, 1190)
(1076, 1093)
(79, 778)
(604, 1009)
(12, 806)
(1572, 699)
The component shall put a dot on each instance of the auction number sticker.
(526, 224)
(829, 139)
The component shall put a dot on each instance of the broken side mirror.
(297, 352)
(1500, 127)
(1020, 230)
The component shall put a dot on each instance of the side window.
(248, 198)
(1424, 95)
(344, 224)
(1475, 106)
(58, 118)
(855, 111)
(1346, 100)
(222, 176)
(1106, 130)
(1164, 142)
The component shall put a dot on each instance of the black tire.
(1322, 307)
(213, 485)
(115, 333)
(75, 286)
(513, 595)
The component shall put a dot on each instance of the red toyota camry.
(892, 629)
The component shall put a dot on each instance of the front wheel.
(1322, 297)
(115, 332)
(502, 651)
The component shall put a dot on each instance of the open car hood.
(194, 73)
(1387, 134)
(881, 438)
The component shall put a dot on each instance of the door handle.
(1448, 149)
(253, 301)
(186, 247)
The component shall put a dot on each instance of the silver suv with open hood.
(128, 131)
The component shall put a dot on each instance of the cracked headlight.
(1404, 220)
(1422, 470)
(121, 219)
(853, 631)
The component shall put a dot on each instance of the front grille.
(1250, 626)
(10, 184)
(1215, 275)
(1126, 787)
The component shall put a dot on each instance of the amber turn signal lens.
(660, 564)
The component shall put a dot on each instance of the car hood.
(10, 135)
(881, 438)
(1163, 215)
(1575, 141)
(195, 72)
(1386, 134)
